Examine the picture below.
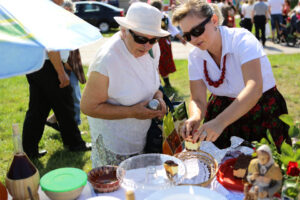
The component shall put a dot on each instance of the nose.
(148, 45)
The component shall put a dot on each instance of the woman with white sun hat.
(123, 78)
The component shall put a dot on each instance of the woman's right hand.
(140, 111)
(190, 126)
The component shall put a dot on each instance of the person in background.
(166, 62)
(232, 65)
(260, 18)
(123, 78)
(286, 10)
(275, 9)
(247, 9)
(49, 89)
(228, 14)
(76, 74)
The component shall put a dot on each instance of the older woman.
(122, 80)
(232, 65)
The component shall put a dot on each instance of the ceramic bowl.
(104, 179)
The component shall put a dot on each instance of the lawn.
(14, 101)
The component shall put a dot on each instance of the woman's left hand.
(209, 131)
(163, 108)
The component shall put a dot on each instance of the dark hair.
(157, 4)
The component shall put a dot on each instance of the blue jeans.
(276, 18)
(76, 96)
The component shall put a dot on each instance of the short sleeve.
(247, 47)
(100, 64)
(195, 66)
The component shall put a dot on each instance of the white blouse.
(131, 81)
(239, 46)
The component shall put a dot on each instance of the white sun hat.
(143, 18)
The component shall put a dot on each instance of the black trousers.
(45, 94)
(248, 24)
(260, 25)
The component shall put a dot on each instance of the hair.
(198, 8)
(157, 4)
(251, 2)
(68, 4)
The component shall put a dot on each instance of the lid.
(63, 180)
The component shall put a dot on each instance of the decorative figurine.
(264, 175)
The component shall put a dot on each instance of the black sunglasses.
(197, 30)
(142, 40)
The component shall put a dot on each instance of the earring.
(216, 28)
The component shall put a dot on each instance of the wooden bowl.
(64, 195)
(104, 179)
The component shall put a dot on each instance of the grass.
(14, 101)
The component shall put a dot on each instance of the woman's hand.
(142, 112)
(163, 108)
(63, 79)
(190, 126)
(209, 131)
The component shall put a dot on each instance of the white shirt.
(64, 55)
(247, 10)
(276, 6)
(239, 46)
(171, 29)
(131, 81)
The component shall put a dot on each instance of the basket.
(205, 159)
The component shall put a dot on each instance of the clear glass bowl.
(146, 171)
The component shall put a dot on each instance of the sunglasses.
(197, 30)
(142, 40)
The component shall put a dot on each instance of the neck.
(215, 49)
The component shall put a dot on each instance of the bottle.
(154, 104)
(22, 177)
(130, 195)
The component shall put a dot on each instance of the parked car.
(98, 14)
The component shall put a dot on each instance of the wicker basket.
(206, 159)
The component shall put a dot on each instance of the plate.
(186, 192)
(146, 171)
(226, 178)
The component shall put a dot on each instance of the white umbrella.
(29, 28)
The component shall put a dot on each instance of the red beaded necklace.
(221, 79)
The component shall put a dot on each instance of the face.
(263, 157)
(191, 24)
(133, 39)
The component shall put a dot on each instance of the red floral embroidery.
(271, 101)
(292, 169)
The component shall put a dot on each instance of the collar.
(226, 36)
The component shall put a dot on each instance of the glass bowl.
(146, 171)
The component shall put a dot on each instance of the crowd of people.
(228, 62)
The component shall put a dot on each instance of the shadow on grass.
(110, 32)
(60, 159)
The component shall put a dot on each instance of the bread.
(171, 168)
(190, 145)
(241, 165)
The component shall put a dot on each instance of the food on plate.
(190, 145)
(241, 165)
(171, 168)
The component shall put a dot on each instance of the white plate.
(186, 192)
(103, 198)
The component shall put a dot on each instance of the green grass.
(14, 101)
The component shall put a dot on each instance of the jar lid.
(63, 180)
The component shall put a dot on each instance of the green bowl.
(64, 183)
